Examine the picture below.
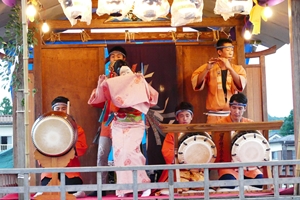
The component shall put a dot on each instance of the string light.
(247, 35)
(31, 12)
(45, 27)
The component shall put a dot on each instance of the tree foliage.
(12, 44)
(5, 107)
(288, 125)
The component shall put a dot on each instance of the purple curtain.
(161, 60)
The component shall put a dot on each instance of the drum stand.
(60, 161)
(177, 171)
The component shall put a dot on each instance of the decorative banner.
(255, 15)
(9, 3)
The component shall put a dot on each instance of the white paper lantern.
(77, 10)
(148, 10)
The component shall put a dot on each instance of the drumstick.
(68, 107)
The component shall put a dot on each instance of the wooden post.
(294, 26)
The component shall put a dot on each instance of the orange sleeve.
(168, 148)
(81, 145)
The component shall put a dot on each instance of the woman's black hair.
(118, 64)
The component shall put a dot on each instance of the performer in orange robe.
(184, 115)
(238, 103)
(72, 178)
(222, 78)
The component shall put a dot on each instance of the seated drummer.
(184, 115)
(237, 104)
(72, 178)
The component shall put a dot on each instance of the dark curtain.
(161, 60)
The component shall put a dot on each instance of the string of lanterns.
(182, 11)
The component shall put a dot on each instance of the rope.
(84, 36)
(54, 37)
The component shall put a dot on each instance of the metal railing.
(171, 185)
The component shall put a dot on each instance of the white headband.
(179, 111)
(59, 103)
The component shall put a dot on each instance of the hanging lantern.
(183, 12)
(77, 10)
(115, 8)
(9, 3)
(148, 10)
(199, 10)
(227, 8)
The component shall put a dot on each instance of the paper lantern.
(227, 8)
(148, 10)
(77, 10)
(183, 12)
(9, 3)
(116, 8)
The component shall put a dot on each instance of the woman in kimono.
(132, 96)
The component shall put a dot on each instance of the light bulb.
(267, 12)
(30, 11)
(45, 27)
(247, 35)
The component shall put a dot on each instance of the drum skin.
(249, 146)
(196, 148)
(54, 133)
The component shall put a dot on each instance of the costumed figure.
(256, 151)
(132, 95)
(223, 79)
(195, 142)
(104, 131)
(72, 178)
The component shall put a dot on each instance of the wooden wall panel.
(253, 93)
(73, 73)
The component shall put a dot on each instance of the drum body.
(196, 148)
(249, 146)
(54, 133)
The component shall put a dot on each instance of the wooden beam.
(167, 128)
(101, 23)
(268, 51)
(136, 36)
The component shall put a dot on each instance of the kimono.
(133, 96)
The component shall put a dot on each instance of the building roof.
(6, 119)
(287, 138)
